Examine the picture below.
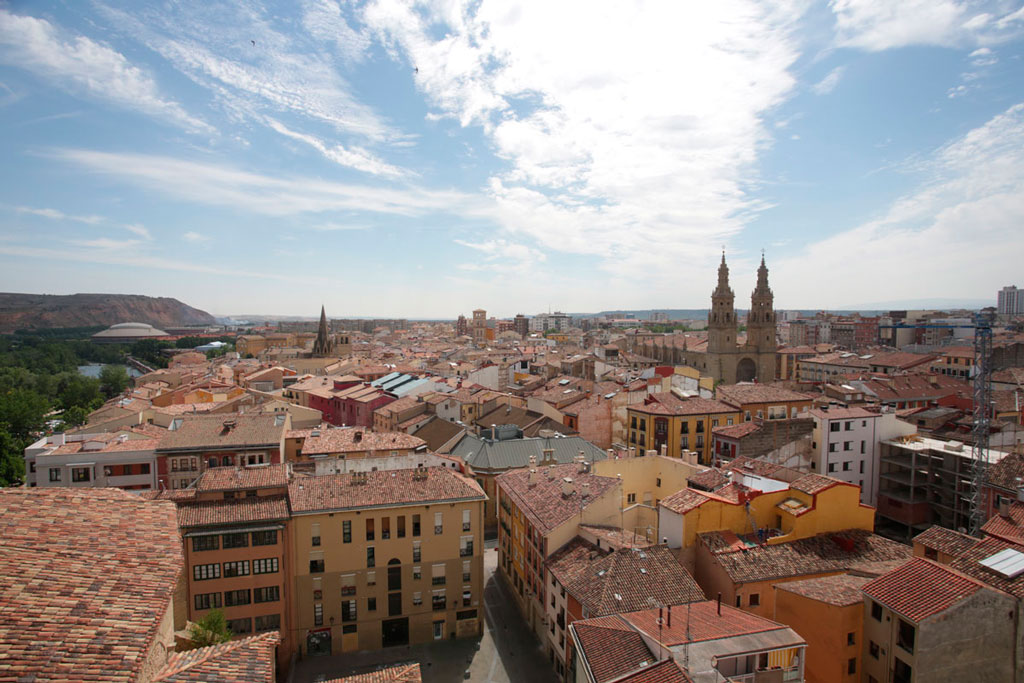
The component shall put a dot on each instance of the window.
(264, 537)
(685, 443)
(728, 421)
(714, 423)
(846, 466)
(700, 441)
(862, 447)
(831, 467)
(437, 577)
(417, 573)
(385, 528)
(684, 427)
(465, 546)
(902, 672)
(371, 578)
(318, 614)
(755, 600)
(401, 526)
(851, 665)
(371, 604)
(847, 445)
(862, 467)
(467, 572)
(201, 572)
(876, 611)
(416, 551)
(465, 520)
(240, 626)
(348, 610)
(346, 532)
(265, 566)
(873, 649)
(700, 426)
(348, 585)
(905, 636)
(415, 525)
(267, 594)
(240, 568)
(80, 474)
(739, 600)
(207, 601)
(316, 565)
(833, 427)
(851, 638)
(631, 498)
(201, 543)
(931, 553)
(236, 540)
(268, 622)
(438, 524)
(438, 600)
(237, 597)
(369, 529)
(54, 474)
(370, 557)
(659, 482)
(417, 598)
(848, 426)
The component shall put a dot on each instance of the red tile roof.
(380, 489)
(737, 431)
(241, 478)
(543, 502)
(814, 483)
(612, 647)
(745, 394)
(220, 432)
(248, 659)
(945, 540)
(88, 575)
(665, 671)
(700, 621)
(669, 404)
(684, 500)
(841, 590)
(340, 440)
(1008, 528)
(921, 588)
(969, 563)
(401, 673)
(235, 511)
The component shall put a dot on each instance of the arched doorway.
(746, 370)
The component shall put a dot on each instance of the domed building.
(127, 333)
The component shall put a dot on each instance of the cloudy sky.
(423, 159)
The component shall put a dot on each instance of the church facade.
(722, 356)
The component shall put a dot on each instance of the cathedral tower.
(761, 321)
(722, 316)
(324, 345)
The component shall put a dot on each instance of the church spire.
(323, 344)
(762, 280)
(723, 288)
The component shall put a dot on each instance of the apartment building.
(540, 510)
(122, 459)
(701, 643)
(678, 425)
(386, 558)
(235, 530)
(846, 444)
(764, 401)
(927, 622)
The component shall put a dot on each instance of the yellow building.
(540, 510)
(754, 496)
(664, 421)
(764, 401)
(386, 558)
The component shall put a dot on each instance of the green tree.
(75, 416)
(12, 464)
(22, 412)
(75, 389)
(211, 629)
(113, 380)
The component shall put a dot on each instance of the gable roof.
(543, 502)
(241, 478)
(383, 488)
(88, 575)
(1007, 528)
(223, 432)
(612, 648)
(945, 540)
(248, 659)
(921, 588)
(841, 590)
(484, 454)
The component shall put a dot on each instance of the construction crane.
(982, 413)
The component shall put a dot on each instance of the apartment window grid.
(437, 575)
(267, 594)
(239, 568)
(207, 601)
(268, 537)
(202, 543)
(268, 622)
(265, 566)
(234, 598)
(240, 626)
(438, 523)
(202, 572)
(237, 540)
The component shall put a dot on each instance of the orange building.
(829, 613)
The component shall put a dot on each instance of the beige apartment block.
(386, 558)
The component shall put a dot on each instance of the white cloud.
(219, 185)
(337, 227)
(82, 65)
(876, 25)
(324, 20)
(967, 212)
(635, 141)
(139, 230)
(356, 158)
(983, 56)
(194, 237)
(107, 244)
(502, 256)
(56, 215)
(829, 82)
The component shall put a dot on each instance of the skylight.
(1008, 563)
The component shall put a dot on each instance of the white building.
(846, 446)
(1010, 301)
(560, 322)
(125, 460)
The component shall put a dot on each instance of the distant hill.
(45, 311)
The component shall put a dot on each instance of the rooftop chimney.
(531, 478)
(568, 487)
(357, 437)
(1004, 507)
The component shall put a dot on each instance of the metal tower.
(982, 416)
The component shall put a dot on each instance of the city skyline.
(420, 162)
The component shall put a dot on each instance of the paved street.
(507, 651)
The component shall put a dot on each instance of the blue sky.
(424, 159)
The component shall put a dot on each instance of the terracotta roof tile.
(250, 659)
(340, 440)
(87, 576)
(684, 500)
(381, 489)
(921, 588)
(743, 394)
(1007, 528)
(223, 431)
(968, 563)
(840, 590)
(400, 673)
(612, 647)
(236, 511)
(945, 540)
(543, 501)
(700, 621)
(240, 478)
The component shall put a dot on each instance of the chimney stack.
(568, 488)
(1004, 508)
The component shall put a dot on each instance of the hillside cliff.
(44, 311)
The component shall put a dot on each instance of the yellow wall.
(645, 437)
(648, 479)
